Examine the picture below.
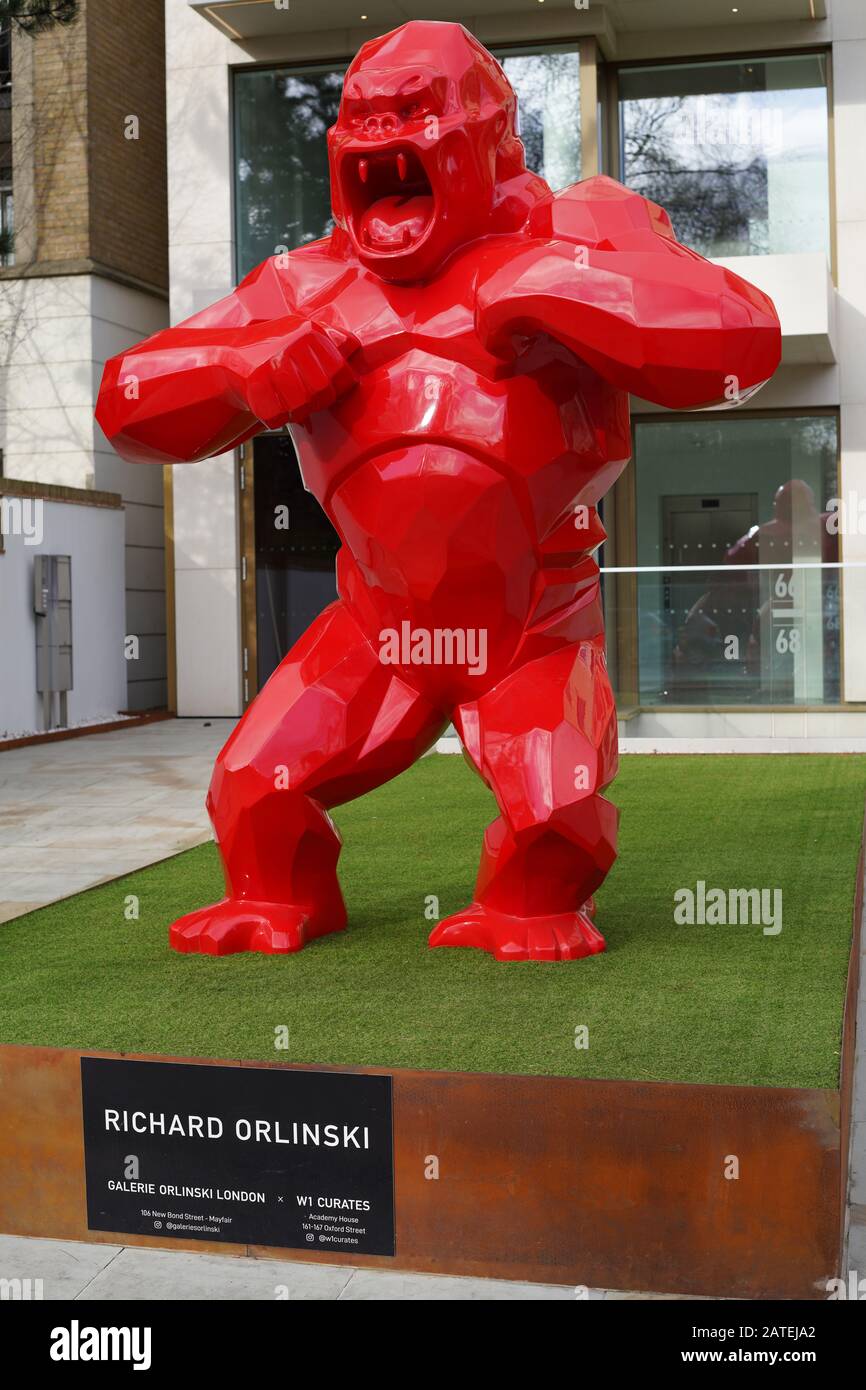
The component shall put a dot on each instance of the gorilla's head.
(426, 133)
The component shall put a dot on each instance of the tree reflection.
(283, 189)
(715, 194)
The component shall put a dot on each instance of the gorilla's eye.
(408, 112)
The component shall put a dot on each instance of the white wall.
(46, 407)
(201, 269)
(56, 333)
(121, 316)
(94, 538)
(849, 88)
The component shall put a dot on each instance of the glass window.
(282, 188)
(5, 63)
(735, 151)
(7, 223)
(734, 519)
(281, 116)
(547, 83)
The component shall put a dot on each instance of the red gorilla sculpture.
(455, 362)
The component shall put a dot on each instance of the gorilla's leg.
(331, 723)
(544, 740)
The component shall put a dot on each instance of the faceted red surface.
(454, 364)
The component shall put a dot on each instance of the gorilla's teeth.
(402, 167)
(364, 170)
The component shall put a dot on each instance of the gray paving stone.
(64, 1267)
(856, 1252)
(374, 1284)
(80, 811)
(165, 1275)
(857, 1182)
(627, 1295)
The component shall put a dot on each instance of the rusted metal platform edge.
(722, 1191)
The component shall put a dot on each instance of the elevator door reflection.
(699, 611)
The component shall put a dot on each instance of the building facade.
(735, 569)
(84, 274)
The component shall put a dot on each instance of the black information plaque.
(248, 1155)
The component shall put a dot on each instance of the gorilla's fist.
(308, 372)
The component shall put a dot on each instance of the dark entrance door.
(296, 548)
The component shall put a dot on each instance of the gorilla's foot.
(559, 936)
(239, 924)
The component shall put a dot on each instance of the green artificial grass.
(722, 1004)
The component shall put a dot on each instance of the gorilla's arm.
(602, 273)
(246, 363)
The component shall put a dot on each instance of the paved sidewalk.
(76, 812)
(70, 1270)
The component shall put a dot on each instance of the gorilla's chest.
(520, 421)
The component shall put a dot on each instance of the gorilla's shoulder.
(598, 212)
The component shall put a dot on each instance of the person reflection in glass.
(753, 621)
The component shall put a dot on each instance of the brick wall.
(88, 193)
(126, 77)
(59, 143)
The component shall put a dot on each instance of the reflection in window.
(282, 187)
(5, 64)
(735, 151)
(7, 220)
(753, 498)
(547, 83)
(282, 115)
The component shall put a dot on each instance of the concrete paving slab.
(111, 1273)
(857, 1183)
(163, 1276)
(617, 1295)
(373, 1284)
(65, 1268)
(856, 1243)
(78, 812)
(12, 909)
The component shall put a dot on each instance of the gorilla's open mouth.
(390, 199)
